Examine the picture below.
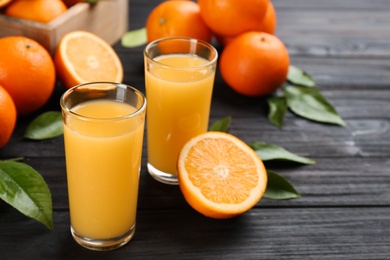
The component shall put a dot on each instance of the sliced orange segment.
(220, 176)
(84, 57)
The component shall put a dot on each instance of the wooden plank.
(314, 27)
(337, 181)
(266, 233)
(335, 5)
(362, 137)
(365, 111)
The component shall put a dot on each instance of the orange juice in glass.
(103, 135)
(179, 79)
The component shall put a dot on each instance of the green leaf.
(278, 188)
(299, 77)
(277, 109)
(309, 103)
(268, 152)
(46, 125)
(134, 38)
(24, 188)
(221, 125)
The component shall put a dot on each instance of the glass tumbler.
(103, 134)
(179, 79)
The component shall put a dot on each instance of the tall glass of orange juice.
(103, 135)
(179, 79)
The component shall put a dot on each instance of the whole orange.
(36, 10)
(7, 117)
(254, 63)
(232, 17)
(27, 73)
(177, 18)
(267, 24)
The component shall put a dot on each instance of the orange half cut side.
(84, 57)
(220, 176)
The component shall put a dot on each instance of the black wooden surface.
(344, 211)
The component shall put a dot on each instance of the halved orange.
(220, 176)
(83, 57)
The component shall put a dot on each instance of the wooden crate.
(107, 19)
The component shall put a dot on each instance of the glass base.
(163, 177)
(103, 244)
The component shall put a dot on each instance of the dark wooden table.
(344, 211)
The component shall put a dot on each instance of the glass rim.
(68, 92)
(188, 39)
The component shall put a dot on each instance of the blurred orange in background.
(268, 24)
(177, 18)
(42, 11)
(232, 17)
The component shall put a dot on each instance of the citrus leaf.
(44, 126)
(268, 152)
(309, 103)
(299, 77)
(221, 125)
(277, 109)
(278, 188)
(24, 188)
(134, 38)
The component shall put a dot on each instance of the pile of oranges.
(253, 62)
(28, 72)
